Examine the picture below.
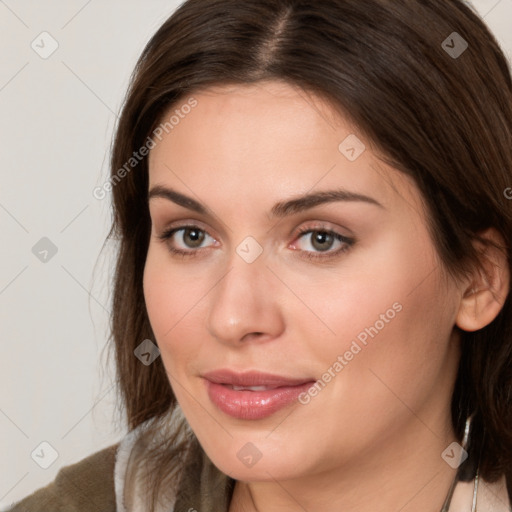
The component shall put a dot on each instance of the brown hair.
(444, 119)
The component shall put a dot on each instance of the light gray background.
(56, 122)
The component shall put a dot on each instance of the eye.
(185, 240)
(322, 243)
(188, 241)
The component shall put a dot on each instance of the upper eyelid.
(177, 229)
(323, 226)
(184, 224)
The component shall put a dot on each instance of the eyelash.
(348, 242)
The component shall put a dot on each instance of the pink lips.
(266, 395)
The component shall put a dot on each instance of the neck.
(406, 473)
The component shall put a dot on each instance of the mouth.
(253, 395)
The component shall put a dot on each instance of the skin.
(372, 438)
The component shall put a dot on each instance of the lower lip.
(253, 405)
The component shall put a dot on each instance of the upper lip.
(252, 378)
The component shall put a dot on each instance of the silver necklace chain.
(448, 500)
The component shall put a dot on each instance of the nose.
(245, 304)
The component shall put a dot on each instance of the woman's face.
(301, 259)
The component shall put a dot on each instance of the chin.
(255, 457)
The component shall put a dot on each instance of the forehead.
(269, 138)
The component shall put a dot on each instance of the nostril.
(250, 335)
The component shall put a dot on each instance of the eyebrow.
(282, 209)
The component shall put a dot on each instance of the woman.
(312, 306)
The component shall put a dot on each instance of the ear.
(484, 294)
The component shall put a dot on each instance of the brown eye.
(193, 238)
(321, 240)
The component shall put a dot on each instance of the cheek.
(386, 310)
(410, 360)
(171, 298)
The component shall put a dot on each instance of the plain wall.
(56, 123)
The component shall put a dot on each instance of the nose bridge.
(242, 302)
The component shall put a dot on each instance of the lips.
(253, 395)
(253, 378)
